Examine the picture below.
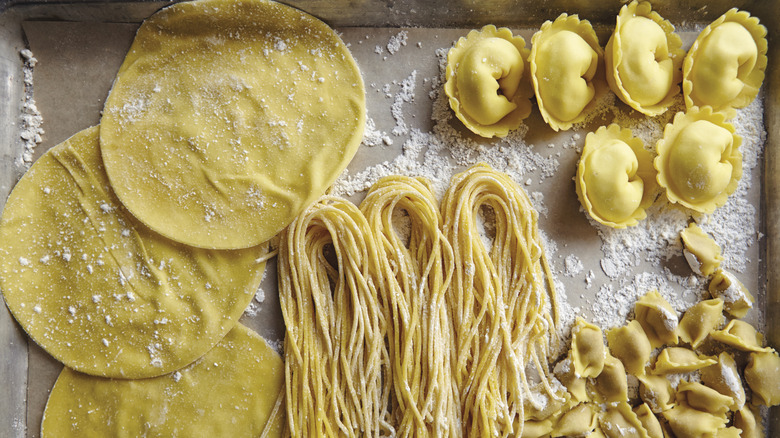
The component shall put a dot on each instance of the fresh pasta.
(336, 361)
(416, 265)
(502, 301)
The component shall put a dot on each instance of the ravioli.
(741, 335)
(686, 421)
(699, 163)
(615, 179)
(675, 360)
(724, 67)
(656, 392)
(228, 118)
(587, 349)
(700, 320)
(100, 291)
(643, 59)
(233, 390)
(724, 378)
(565, 65)
(703, 398)
(630, 344)
(488, 82)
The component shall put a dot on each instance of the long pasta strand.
(415, 276)
(336, 363)
(502, 301)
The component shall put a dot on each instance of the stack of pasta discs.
(130, 250)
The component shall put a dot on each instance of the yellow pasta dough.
(336, 361)
(686, 421)
(656, 392)
(587, 349)
(749, 422)
(737, 299)
(619, 421)
(703, 398)
(612, 384)
(724, 67)
(576, 385)
(724, 378)
(699, 163)
(741, 335)
(488, 81)
(565, 70)
(643, 59)
(700, 250)
(630, 344)
(649, 421)
(680, 360)
(97, 289)
(763, 376)
(615, 180)
(579, 421)
(227, 118)
(657, 318)
(700, 320)
(233, 390)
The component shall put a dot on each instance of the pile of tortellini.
(688, 384)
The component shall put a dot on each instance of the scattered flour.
(31, 119)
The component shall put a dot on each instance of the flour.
(31, 119)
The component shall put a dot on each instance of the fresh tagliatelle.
(502, 301)
(416, 266)
(335, 356)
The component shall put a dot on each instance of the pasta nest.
(725, 66)
(487, 81)
(648, 85)
(699, 163)
(566, 70)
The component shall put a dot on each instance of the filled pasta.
(643, 59)
(699, 163)
(488, 83)
(615, 179)
(565, 70)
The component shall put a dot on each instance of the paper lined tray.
(78, 60)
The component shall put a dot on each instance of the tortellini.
(621, 422)
(565, 62)
(579, 421)
(724, 67)
(724, 378)
(675, 360)
(763, 376)
(615, 177)
(699, 163)
(737, 300)
(643, 59)
(657, 318)
(699, 320)
(487, 81)
(612, 384)
(649, 421)
(740, 335)
(703, 398)
(656, 392)
(587, 349)
(630, 344)
(686, 421)
(745, 419)
(577, 386)
(700, 250)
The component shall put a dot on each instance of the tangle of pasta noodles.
(502, 301)
(336, 362)
(416, 266)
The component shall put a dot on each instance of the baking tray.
(80, 44)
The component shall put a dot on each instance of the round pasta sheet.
(100, 291)
(227, 118)
(233, 390)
